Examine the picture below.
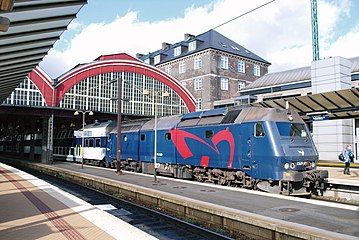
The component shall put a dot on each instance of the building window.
(224, 83)
(177, 51)
(224, 62)
(197, 83)
(197, 62)
(182, 67)
(241, 85)
(191, 46)
(168, 69)
(241, 67)
(256, 70)
(198, 104)
(157, 59)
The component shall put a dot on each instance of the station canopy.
(339, 104)
(35, 26)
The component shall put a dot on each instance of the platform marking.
(62, 225)
(105, 207)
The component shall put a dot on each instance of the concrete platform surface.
(33, 209)
(336, 174)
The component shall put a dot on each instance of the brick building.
(211, 66)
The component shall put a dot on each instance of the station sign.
(319, 118)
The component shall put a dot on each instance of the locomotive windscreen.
(292, 129)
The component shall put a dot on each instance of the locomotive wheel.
(222, 180)
(199, 178)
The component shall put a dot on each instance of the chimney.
(139, 55)
(188, 36)
(165, 46)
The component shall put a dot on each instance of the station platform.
(336, 175)
(33, 209)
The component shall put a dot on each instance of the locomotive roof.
(130, 126)
(162, 123)
(252, 114)
(97, 124)
(209, 117)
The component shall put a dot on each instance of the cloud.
(279, 32)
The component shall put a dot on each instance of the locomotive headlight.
(313, 164)
(292, 165)
(290, 117)
(286, 166)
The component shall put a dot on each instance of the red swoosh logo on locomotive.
(179, 140)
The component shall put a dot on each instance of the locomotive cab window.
(259, 130)
(168, 136)
(142, 137)
(209, 134)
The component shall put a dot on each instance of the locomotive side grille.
(231, 116)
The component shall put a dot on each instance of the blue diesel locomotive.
(268, 149)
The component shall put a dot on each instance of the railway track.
(340, 192)
(159, 225)
(335, 192)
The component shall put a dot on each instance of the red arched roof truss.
(44, 83)
(70, 79)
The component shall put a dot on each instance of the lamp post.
(119, 122)
(83, 132)
(155, 94)
(119, 125)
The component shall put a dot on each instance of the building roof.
(208, 40)
(340, 104)
(35, 26)
(291, 76)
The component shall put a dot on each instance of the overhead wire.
(254, 9)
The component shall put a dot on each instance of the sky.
(279, 32)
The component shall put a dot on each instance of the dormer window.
(157, 59)
(191, 46)
(177, 51)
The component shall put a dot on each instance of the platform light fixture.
(155, 95)
(83, 132)
(6, 5)
(4, 24)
